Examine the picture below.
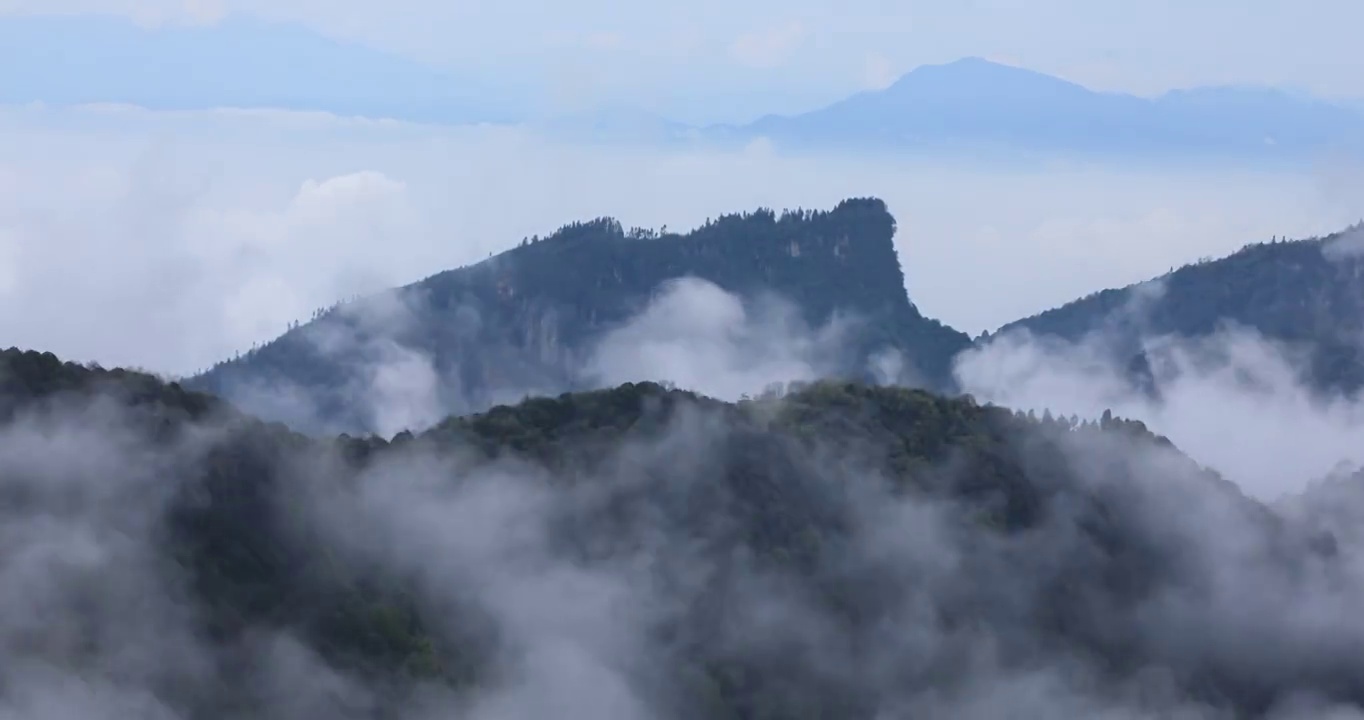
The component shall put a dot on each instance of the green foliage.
(763, 466)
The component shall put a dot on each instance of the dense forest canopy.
(830, 549)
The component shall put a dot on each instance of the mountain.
(971, 106)
(1307, 294)
(238, 62)
(593, 305)
(977, 105)
(828, 550)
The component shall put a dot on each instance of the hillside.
(1307, 294)
(529, 320)
(975, 105)
(827, 550)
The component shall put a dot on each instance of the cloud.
(101, 613)
(383, 382)
(583, 588)
(697, 560)
(701, 338)
(1235, 401)
(91, 626)
(1348, 244)
(196, 235)
(597, 588)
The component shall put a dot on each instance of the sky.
(710, 60)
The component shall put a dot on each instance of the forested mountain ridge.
(526, 320)
(829, 549)
(1307, 294)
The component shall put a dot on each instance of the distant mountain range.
(974, 104)
(971, 106)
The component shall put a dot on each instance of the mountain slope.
(1307, 294)
(831, 550)
(533, 319)
(974, 104)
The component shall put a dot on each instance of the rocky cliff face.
(529, 320)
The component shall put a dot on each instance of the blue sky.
(716, 60)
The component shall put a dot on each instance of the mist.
(1135, 587)
(699, 337)
(196, 235)
(1236, 401)
(597, 579)
(199, 234)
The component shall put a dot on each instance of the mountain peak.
(974, 104)
(972, 63)
(979, 76)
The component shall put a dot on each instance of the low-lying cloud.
(1235, 400)
(699, 337)
(690, 333)
(1141, 589)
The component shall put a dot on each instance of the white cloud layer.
(698, 336)
(171, 240)
(1248, 415)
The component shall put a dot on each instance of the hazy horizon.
(743, 64)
